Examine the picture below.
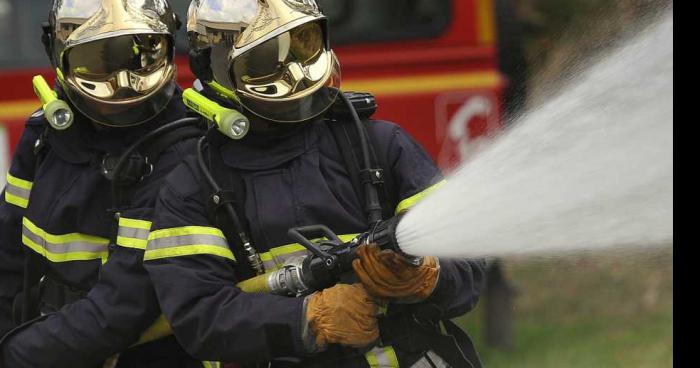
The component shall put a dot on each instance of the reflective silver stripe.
(183, 240)
(17, 191)
(130, 232)
(276, 257)
(270, 265)
(63, 248)
(279, 261)
(133, 233)
(282, 259)
(69, 247)
(382, 357)
(437, 362)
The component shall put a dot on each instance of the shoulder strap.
(162, 143)
(347, 139)
(232, 190)
(347, 144)
(380, 153)
(141, 163)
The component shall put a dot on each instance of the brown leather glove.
(386, 275)
(111, 362)
(343, 314)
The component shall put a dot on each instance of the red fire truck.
(434, 65)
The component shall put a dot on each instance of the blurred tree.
(560, 35)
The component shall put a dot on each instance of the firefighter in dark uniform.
(71, 258)
(271, 60)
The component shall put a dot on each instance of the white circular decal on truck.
(462, 121)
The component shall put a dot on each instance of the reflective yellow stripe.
(63, 248)
(276, 257)
(188, 250)
(62, 239)
(24, 184)
(185, 231)
(211, 364)
(186, 241)
(412, 201)
(17, 191)
(195, 240)
(136, 224)
(133, 233)
(382, 357)
(17, 201)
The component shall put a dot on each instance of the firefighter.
(73, 228)
(223, 215)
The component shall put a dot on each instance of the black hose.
(217, 189)
(374, 207)
(248, 268)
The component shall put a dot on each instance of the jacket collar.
(258, 151)
(85, 141)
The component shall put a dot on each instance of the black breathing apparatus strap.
(137, 161)
(224, 210)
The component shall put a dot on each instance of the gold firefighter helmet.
(114, 58)
(270, 56)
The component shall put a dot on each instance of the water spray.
(590, 169)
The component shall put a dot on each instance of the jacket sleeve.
(85, 333)
(192, 269)
(115, 312)
(461, 281)
(13, 201)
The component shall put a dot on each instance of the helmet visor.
(120, 67)
(290, 78)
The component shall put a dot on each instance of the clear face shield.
(117, 58)
(275, 57)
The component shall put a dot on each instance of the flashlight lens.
(62, 118)
(239, 128)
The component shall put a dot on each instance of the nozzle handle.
(304, 235)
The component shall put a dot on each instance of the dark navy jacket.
(58, 211)
(296, 179)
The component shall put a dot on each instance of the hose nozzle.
(230, 122)
(57, 112)
(384, 235)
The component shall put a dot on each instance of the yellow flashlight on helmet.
(230, 122)
(57, 112)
